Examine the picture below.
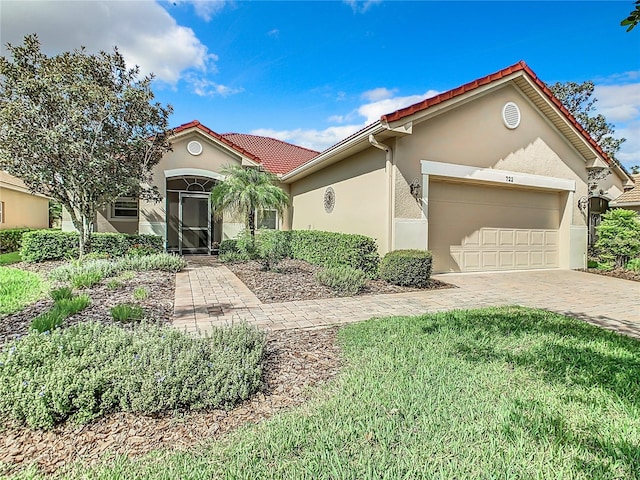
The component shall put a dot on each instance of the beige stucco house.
(493, 175)
(629, 200)
(19, 207)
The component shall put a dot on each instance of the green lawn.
(18, 288)
(501, 393)
(9, 258)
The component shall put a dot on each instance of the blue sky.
(313, 72)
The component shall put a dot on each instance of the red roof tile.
(274, 155)
(467, 87)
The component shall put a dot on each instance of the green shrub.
(272, 246)
(247, 245)
(165, 262)
(140, 293)
(11, 239)
(331, 249)
(411, 268)
(634, 265)
(114, 284)
(592, 264)
(228, 245)
(61, 293)
(71, 306)
(231, 257)
(90, 369)
(141, 251)
(344, 280)
(126, 313)
(86, 279)
(127, 275)
(48, 321)
(41, 245)
(619, 236)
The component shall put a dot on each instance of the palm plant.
(245, 191)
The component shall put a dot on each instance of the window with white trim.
(124, 208)
(267, 219)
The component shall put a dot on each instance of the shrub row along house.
(493, 175)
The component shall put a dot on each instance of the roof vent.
(511, 115)
(194, 148)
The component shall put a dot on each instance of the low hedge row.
(328, 249)
(41, 245)
(331, 249)
(409, 268)
(11, 239)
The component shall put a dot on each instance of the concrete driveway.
(208, 294)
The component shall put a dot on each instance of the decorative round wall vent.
(194, 148)
(511, 115)
(329, 200)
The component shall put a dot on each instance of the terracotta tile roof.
(467, 87)
(630, 196)
(275, 155)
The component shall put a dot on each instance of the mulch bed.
(616, 272)
(295, 361)
(295, 280)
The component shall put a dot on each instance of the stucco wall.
(474, 134)
(212, 158)
(23, 209)
(360, 207)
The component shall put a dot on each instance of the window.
(124, 208)
(1, 212)
(267, 219)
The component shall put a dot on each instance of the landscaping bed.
(616, 273)
(295, 280)
(294, 361)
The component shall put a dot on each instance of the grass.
(18, 289)
(9, 258)
(507, 393)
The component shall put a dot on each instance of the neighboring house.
(493, 175)
(19, 207)
(629, 200)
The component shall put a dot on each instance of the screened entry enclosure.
(191, 227)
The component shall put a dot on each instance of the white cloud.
(206, 88)
(274, 33)
(370, 112)
(378, 94)
(361, 6)
(374, 110)
(629, 153)
(206, 9)
(310, 138)
(618, 103)
(144, 32)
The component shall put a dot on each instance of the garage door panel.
(475, 228)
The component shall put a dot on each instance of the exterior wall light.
(414, 188)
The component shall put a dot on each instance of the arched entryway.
(191, 225)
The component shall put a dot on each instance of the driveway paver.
(208, 294)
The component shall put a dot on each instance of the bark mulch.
(616, 272)
(295, 361)
(295, 280)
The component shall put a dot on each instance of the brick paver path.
(208, 294)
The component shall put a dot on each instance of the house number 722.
(509, 179)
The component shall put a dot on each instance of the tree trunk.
(252, 223)
(85, 235)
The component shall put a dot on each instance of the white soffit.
(504, 177)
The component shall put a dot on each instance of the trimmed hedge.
(331, 249)
(409, 268)
(41, 245)
(11, 239)
(228, 246)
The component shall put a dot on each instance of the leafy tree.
(79, 128)
(578, 99)
(634, 17)
(246, 191)
(635, 169)
(619, 236)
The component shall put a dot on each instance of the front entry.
(194, 234)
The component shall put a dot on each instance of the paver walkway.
(208, 294)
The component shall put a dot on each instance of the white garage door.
(479, 228)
